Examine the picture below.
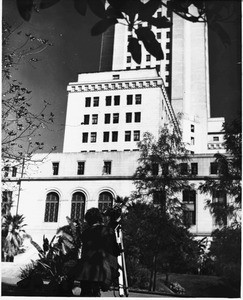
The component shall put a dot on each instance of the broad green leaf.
(97, 8)
(148, 9)
(112, 12)
(47, 3)
(102, 26)
(134, 48)
(154, 48)
(25, 8)
(161, 22)
(81, 6)
(145, 34)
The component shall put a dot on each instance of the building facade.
(107, 114)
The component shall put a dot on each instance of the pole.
(22, 175)
(122, 280)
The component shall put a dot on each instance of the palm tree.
(12, 235)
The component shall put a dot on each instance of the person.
(98, 263)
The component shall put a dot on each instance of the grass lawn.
(202, 285)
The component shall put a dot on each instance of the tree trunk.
(155, 273)
(151, 279)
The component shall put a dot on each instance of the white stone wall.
(38, 181)
(155, 109)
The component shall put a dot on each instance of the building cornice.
(114, 85)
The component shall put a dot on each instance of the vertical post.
(21, 176)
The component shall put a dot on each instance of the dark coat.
(99, 255)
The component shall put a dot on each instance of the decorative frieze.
(90, 87)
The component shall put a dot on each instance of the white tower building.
(184, 70)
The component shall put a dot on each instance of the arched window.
(105, 201)
(52, 205)
(78, 206)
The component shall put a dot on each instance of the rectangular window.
(183, 168)
(129, 59)
(192, 128)
(129, 99)
(107, 167)
(128, 117)
(87, 101)
(136, 135)
(6, 171)
(108, 100)
(107, 118)
(189, 214)
(148, 57)
(85, 137)
(86, 119)
(96, 101)
(213, 168)
(192, 140)
(167, 45)
(158, 68)
(80, 170)
(158, 35)
(93, 136)
(114, 136)
(219, 197)
(116, 118)
(127, 136)
(117, 100)
(189, 196)
(159, 14)
(116, 77)
(106, 136)
(215, 138)
(167, 56)
(155, 169)
(137, 117)
(14, 171)
(55, 168)
(138, 99)
(194, 168)
(168, 35)
(95, 119)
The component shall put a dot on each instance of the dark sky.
(75, 51)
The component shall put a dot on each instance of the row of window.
(77, 205)
(106, 200)
(127, 137)
(116, 100)
(106, 170)
(115, 118)
(189, 199)
(185, 169)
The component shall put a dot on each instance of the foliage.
(226, 253)
(58, 258)
(159, 172)
(12, 235)
(229, 174)
(157, 242)
(133, 13)
(21, 126)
